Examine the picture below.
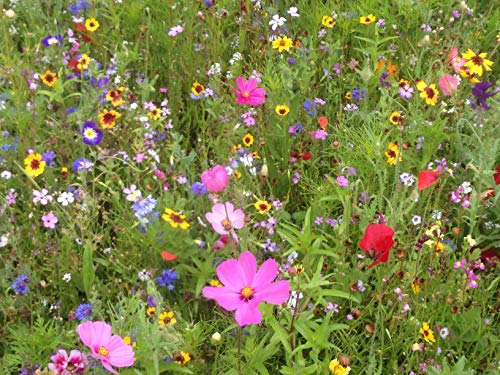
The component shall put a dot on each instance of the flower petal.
(248, 313)
(94, 334)
(227, 298)
(265, 275)
(275, 293)
(232, 275)
(120, 354)
(249, 266)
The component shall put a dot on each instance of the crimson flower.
(427, 178)
(377, 242)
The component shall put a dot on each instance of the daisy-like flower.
(476, 63)
(83, 62)
(91, 135)
(262, 206)
(248, 140)
(197, 89)
(225, 218)
(154, 114)
(91, 24)
(107, 118)
(34, 165)
(49, 220)
(328, 21)
(114, 97)
(49, 78)
(175, 219)
(282, 43)
(397, 118)
(166, 318)
(427, 332)
(365, 20)
(181, 358)
(429, 93)
(282, 110)
(293, 12)
(393, 154)
(336, 368)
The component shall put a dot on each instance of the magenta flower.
(248, 92)
(245, 287)
(224, 218)
(50, 220)
(215, 179)
(110, 349)
(62, 364)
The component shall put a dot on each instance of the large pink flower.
(448, 84)
(106, 347)
(248, 92)
(215, 179)
(245, 287)
(224, 218)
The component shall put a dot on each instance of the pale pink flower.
(110, 349)
(50, 220)
(224, 218)
(448, 84)
(248, 92)
(215, 179)
(245, 287)
(64, 365)
(456, 61)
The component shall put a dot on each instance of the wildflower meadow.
(249, 187)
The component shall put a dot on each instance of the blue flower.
(91, 135)
(49, 157)
(82, 164)
(51, 40)
(198, 188)
(143, 206)
(167, 278)
(83, 312)
(19, 285)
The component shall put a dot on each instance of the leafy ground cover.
(249, 187)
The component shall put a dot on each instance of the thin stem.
(239, 350)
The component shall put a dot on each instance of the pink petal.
(227, 298)
(238, 219)
(108, 367)
(248, 313)
(237, 92)
(216, 222)
(120, 354)
(240, 81)
(249, 266)
(275, 293)
(251, 85)
(232, 275)
(265, 275)
(94, 334)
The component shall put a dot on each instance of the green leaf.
(88, 269)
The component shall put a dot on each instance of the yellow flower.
(215, 283)
(34, 165)
(348, 95)
(282, 44)
(154, 114)
(83, 62)
(167, 318)
(475, 63)
(337, 369)
(393, 154)
(415, 287)
(438, 247)
(197, 88)
(151, 311)
(429, 93)
(107, 118)
(91, 24)
(175, 219)
(49, 78)
(114, 97)
(396, 118)
(427, 332)
(282, 110)
(248, 140)
(128, 341)
(262, 206)
(237, 175)
(365, 20)
(182, 358)
(328, 21)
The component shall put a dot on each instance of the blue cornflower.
(308, 104)
(83, 312)
(144, 206)
(19, 285)
(70, 110)
(358, 94)
(167, 278)
(49, 157)
(198, 188)
(82, 164)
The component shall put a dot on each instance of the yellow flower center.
(247, 293)
(226, 224)
(103, 351)
(246, 94)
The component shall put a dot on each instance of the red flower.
(496, 176)
(306, 156)
(427, 178)
(377, 242)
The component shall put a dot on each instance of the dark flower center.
(109, 118)
(176, 218)
(429, 92)
(477, 60)
(35, 164)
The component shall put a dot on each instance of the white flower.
(144, 275)
(6, 174)
(466, 187)
(416, 219)
(132, 193)
(277, 21)
(293, 12)
(42, 196)
(66, 198)
(294, 299)
(67, 277)
(4, 240)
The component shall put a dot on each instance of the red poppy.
(377, 242)
(323, 122)
(168, 256)
(496, 176)
(306, 156)
(427, 178)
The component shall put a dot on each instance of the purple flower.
(480, 91)
(19, 285)
(167, 278)
(342, 181)
(143, 206)
(198, 188)
(91, 135)
(406, 92)
(337, 68)
(383, 80)
(52, 40)
(82, 164)
(49, 157)
(83, 311)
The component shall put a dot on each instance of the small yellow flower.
(91, 24)
(427, 332)
(114, 96)
(167, 318)
(107, 118)
(415, 287)
(282, 110)
(348, 95)
(438, 247)
(83, 62)
(429, 93)
(337, 369)
(365, 20)
(262, 206)
(175, 219)
(182, 358)
(34, 165)
(128, 341)
(476, 63)
(397, 118)
(49, 78)
(328, 21)
(237, 175)
(215, 283)
(197, 89)
(151, 311)
(282, 44)
(393, 154)
(248, 140)
(154, 114)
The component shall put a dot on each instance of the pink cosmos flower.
(215, 179)
(110, 349)
(224, 217)
(64, 365)
(245, 287)
(248, 92)
(448, 84)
